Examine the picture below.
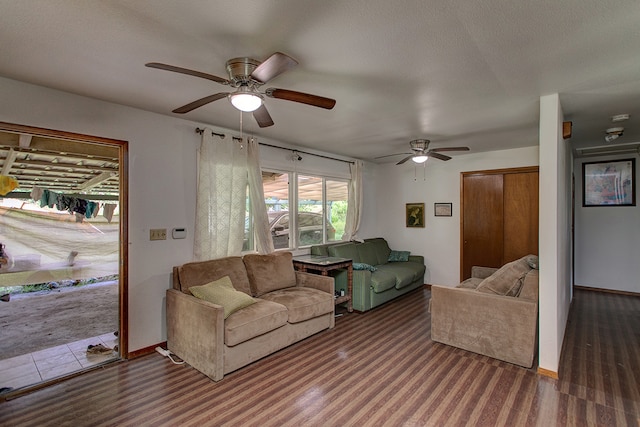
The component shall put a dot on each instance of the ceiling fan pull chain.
(241, 135)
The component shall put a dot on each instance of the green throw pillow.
(396, 256)
(363, 266)
(223, 293)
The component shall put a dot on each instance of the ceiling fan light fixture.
(245, 100)
(420, 158)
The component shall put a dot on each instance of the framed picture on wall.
(611, 183)
(415, 214)
(443, 209)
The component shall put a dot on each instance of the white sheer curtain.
(264, 243)
(221, 198)
(354, 204)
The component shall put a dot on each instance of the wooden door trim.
(523, 169)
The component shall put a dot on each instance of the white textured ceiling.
(457, 72)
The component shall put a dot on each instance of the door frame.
(123, 171)
(502, 171)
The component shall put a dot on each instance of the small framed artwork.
(443, 209)
(415, 214)
(609, 183)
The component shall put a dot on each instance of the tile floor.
(32, 368)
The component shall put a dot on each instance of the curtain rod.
(236, 138)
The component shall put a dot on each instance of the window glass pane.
(248, 242)
(310, 212)
(336, 210)
(276, 196)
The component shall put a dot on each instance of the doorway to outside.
(62, 258)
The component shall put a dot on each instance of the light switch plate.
(158, 234)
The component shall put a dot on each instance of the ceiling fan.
(246, 75)
(421, 152)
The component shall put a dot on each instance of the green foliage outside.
(38, 287)
(339, 217)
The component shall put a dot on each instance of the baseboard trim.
(607, 291)
(427, 286)
(146, 350)
(548, 373)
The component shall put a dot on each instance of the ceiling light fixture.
(244, 99)
(613, 134)
(420, 158)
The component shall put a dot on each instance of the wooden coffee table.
(324, 264)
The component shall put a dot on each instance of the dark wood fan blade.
(404, 160)
(187, 71)
(431, 153)
(273, 66)
(200, 102)
(304, 98)
(391, 155)
(450, 149)
(263, 117)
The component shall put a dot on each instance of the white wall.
(554, 233)
(162, 184)
(438, 181)
(607, 239)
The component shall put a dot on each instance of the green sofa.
(373, 288)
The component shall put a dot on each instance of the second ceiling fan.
(246, 75)
(421, 152)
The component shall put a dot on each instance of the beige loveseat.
(289, 306)
(494, 313)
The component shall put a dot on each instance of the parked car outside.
(309, 226)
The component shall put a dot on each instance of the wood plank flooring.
(379, 368)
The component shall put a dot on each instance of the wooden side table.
(324, 265)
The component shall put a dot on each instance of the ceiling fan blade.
(450, 149)
(391, 155)
(200, 102)
(187, 71)
(263, 117)
(273, 66)
(304, 98)
(404, 160)
(431, 153)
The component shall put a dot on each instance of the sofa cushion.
(470, 283)
(403, 276)
(382, 249)
(269, 272)
(367, 253)
(346, 250)
(532, 260)
(529, 290)
(254, 320)
(302, 303)
(202, 272)
(382, 281)
(363, 266)
(221, 292)
(507, 280)
(399, 256)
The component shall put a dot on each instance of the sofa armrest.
(316, 281)
(482, 272)
(417, 258)
(195, 332)
(501, 327)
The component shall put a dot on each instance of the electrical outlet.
(158, 234)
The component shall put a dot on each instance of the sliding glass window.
(303, 210)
